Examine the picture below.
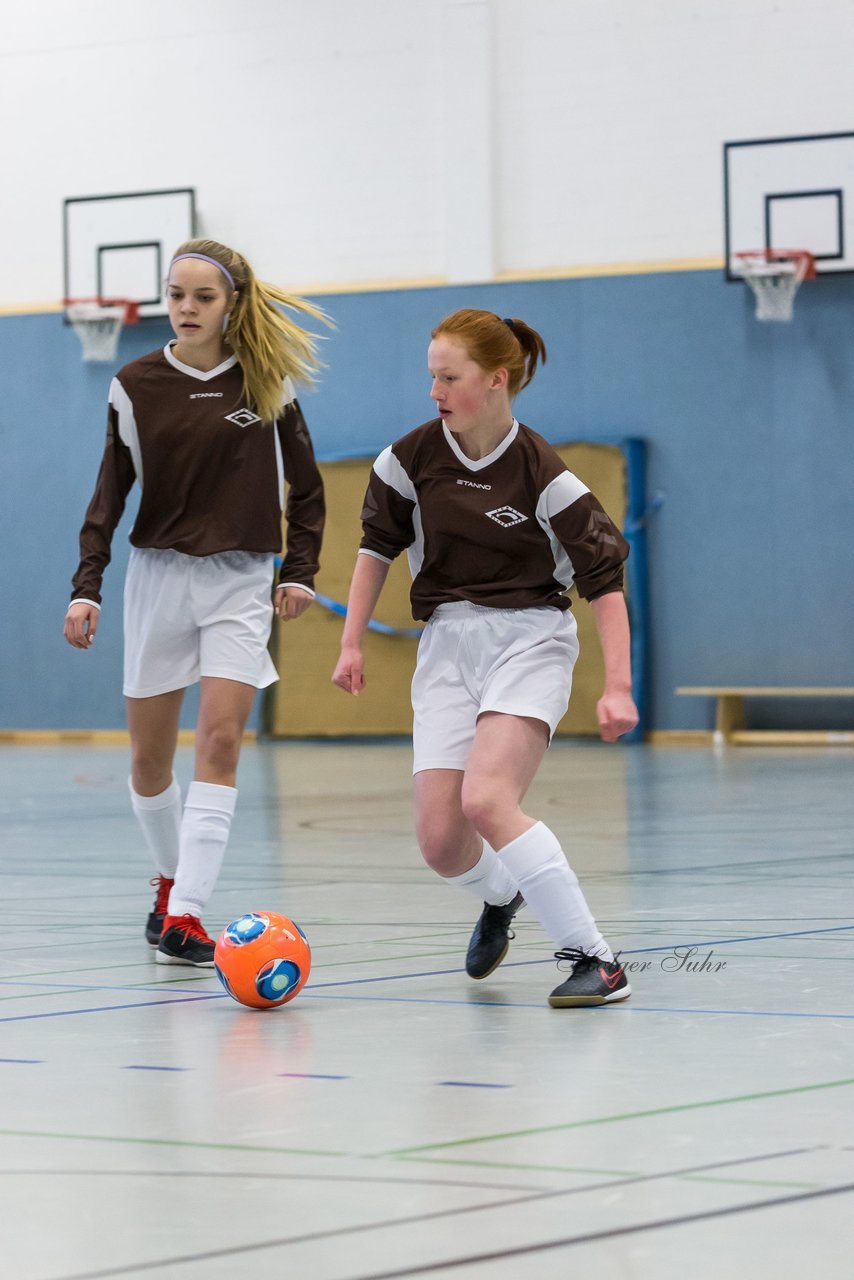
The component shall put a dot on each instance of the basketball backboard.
(791, 193)
(120, 246)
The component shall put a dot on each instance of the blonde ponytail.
(269, 345)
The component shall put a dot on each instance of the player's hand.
(81, 623)
(290, 602)
(617, 714)
(349, 674)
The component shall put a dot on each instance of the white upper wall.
(338, 142)
(612, 115)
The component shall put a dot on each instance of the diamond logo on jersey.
(242, 417)
(506, 516)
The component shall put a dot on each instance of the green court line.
(523, 1164)
(627, 1115)
(483, 1164)
(52, 994)
(174, 1142)
(611, 1173)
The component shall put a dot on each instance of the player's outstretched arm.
(81, 623)
(368, 581)
(616, 710)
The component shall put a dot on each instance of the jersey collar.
(477, 464)
(197, 373)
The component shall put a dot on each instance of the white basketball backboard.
(791, 193)
(120, 246)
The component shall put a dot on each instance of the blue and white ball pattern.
(246, 929)
(276, 979)
(224, 980)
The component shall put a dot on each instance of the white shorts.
(473, 659)
(192, 616)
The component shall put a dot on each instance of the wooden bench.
(730, 720)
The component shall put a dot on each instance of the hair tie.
(203, 257)
(510, 326)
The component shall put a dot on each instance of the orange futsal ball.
(262, 959)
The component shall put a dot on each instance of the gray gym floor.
(398, 1119)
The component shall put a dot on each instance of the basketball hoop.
(775, 275)
(98, 323)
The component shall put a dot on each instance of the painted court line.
(171, 1142)
(399, 977)
(107, 1008)
(604, 1011)
(472, 1084)
(140, 1066)
(628, 1115)
(418, 1219)
(593, 1236)
(310, 1075)
(617, 1177)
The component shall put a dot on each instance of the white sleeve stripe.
(128, 434)
(560, 494)
(363, 551)
(392, 473)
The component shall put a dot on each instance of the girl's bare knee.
(218, 747)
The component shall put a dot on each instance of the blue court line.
(757, 937)
(310, 1075)
(138, 1066)
(472, 1084)
(436, 973)
(617, 1007)
(26, 1060)
(155, 987)
(106, 1008)
(307, 994)
(633, 951)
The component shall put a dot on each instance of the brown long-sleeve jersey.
(213, 476)
(513, 530)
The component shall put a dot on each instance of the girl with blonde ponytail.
(211, 428)
(497, 530)
(270, 347)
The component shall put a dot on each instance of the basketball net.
(98, 324)
(775, 275)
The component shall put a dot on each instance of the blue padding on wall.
(638, 512)
(747, 426)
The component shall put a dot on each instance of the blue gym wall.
(749, 428)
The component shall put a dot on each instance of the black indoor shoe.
(490, 940)
(592, 981)
(154, 923)
(184, 941)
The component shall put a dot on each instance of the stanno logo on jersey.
(473, 484)
(207, 395)
(242, 418)
(506, 516)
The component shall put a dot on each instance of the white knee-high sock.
(160, 819)
(550, 887)
(488, 879)
(205, 827)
